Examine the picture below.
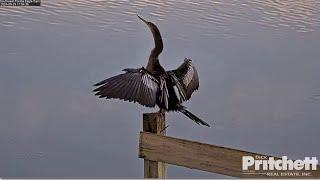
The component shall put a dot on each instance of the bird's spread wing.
(186, 79)
(135, 85)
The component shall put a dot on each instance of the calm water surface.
(258, 64)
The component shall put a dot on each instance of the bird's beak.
(142, 19)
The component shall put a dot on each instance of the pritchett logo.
(263, 164)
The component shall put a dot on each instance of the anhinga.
(153, 85)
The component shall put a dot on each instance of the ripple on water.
(208, 16)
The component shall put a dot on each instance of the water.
(258, 63)
(209, 18)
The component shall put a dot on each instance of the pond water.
(258, 63)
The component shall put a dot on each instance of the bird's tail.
(192, 116)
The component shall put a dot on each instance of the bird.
(152, 85)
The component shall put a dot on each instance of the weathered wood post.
(157, 149)
(154, 123)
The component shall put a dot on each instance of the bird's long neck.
(154, 66)
(153, 63)
(157, 41)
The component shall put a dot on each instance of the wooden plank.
(206, 157)
(154, 123)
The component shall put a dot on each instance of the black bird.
(154, 85)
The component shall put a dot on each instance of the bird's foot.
(164, 129)
(161, 111)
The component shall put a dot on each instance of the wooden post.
(154, 123)
(211, 158)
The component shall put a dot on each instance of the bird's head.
(156, 36)
(151, 26)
